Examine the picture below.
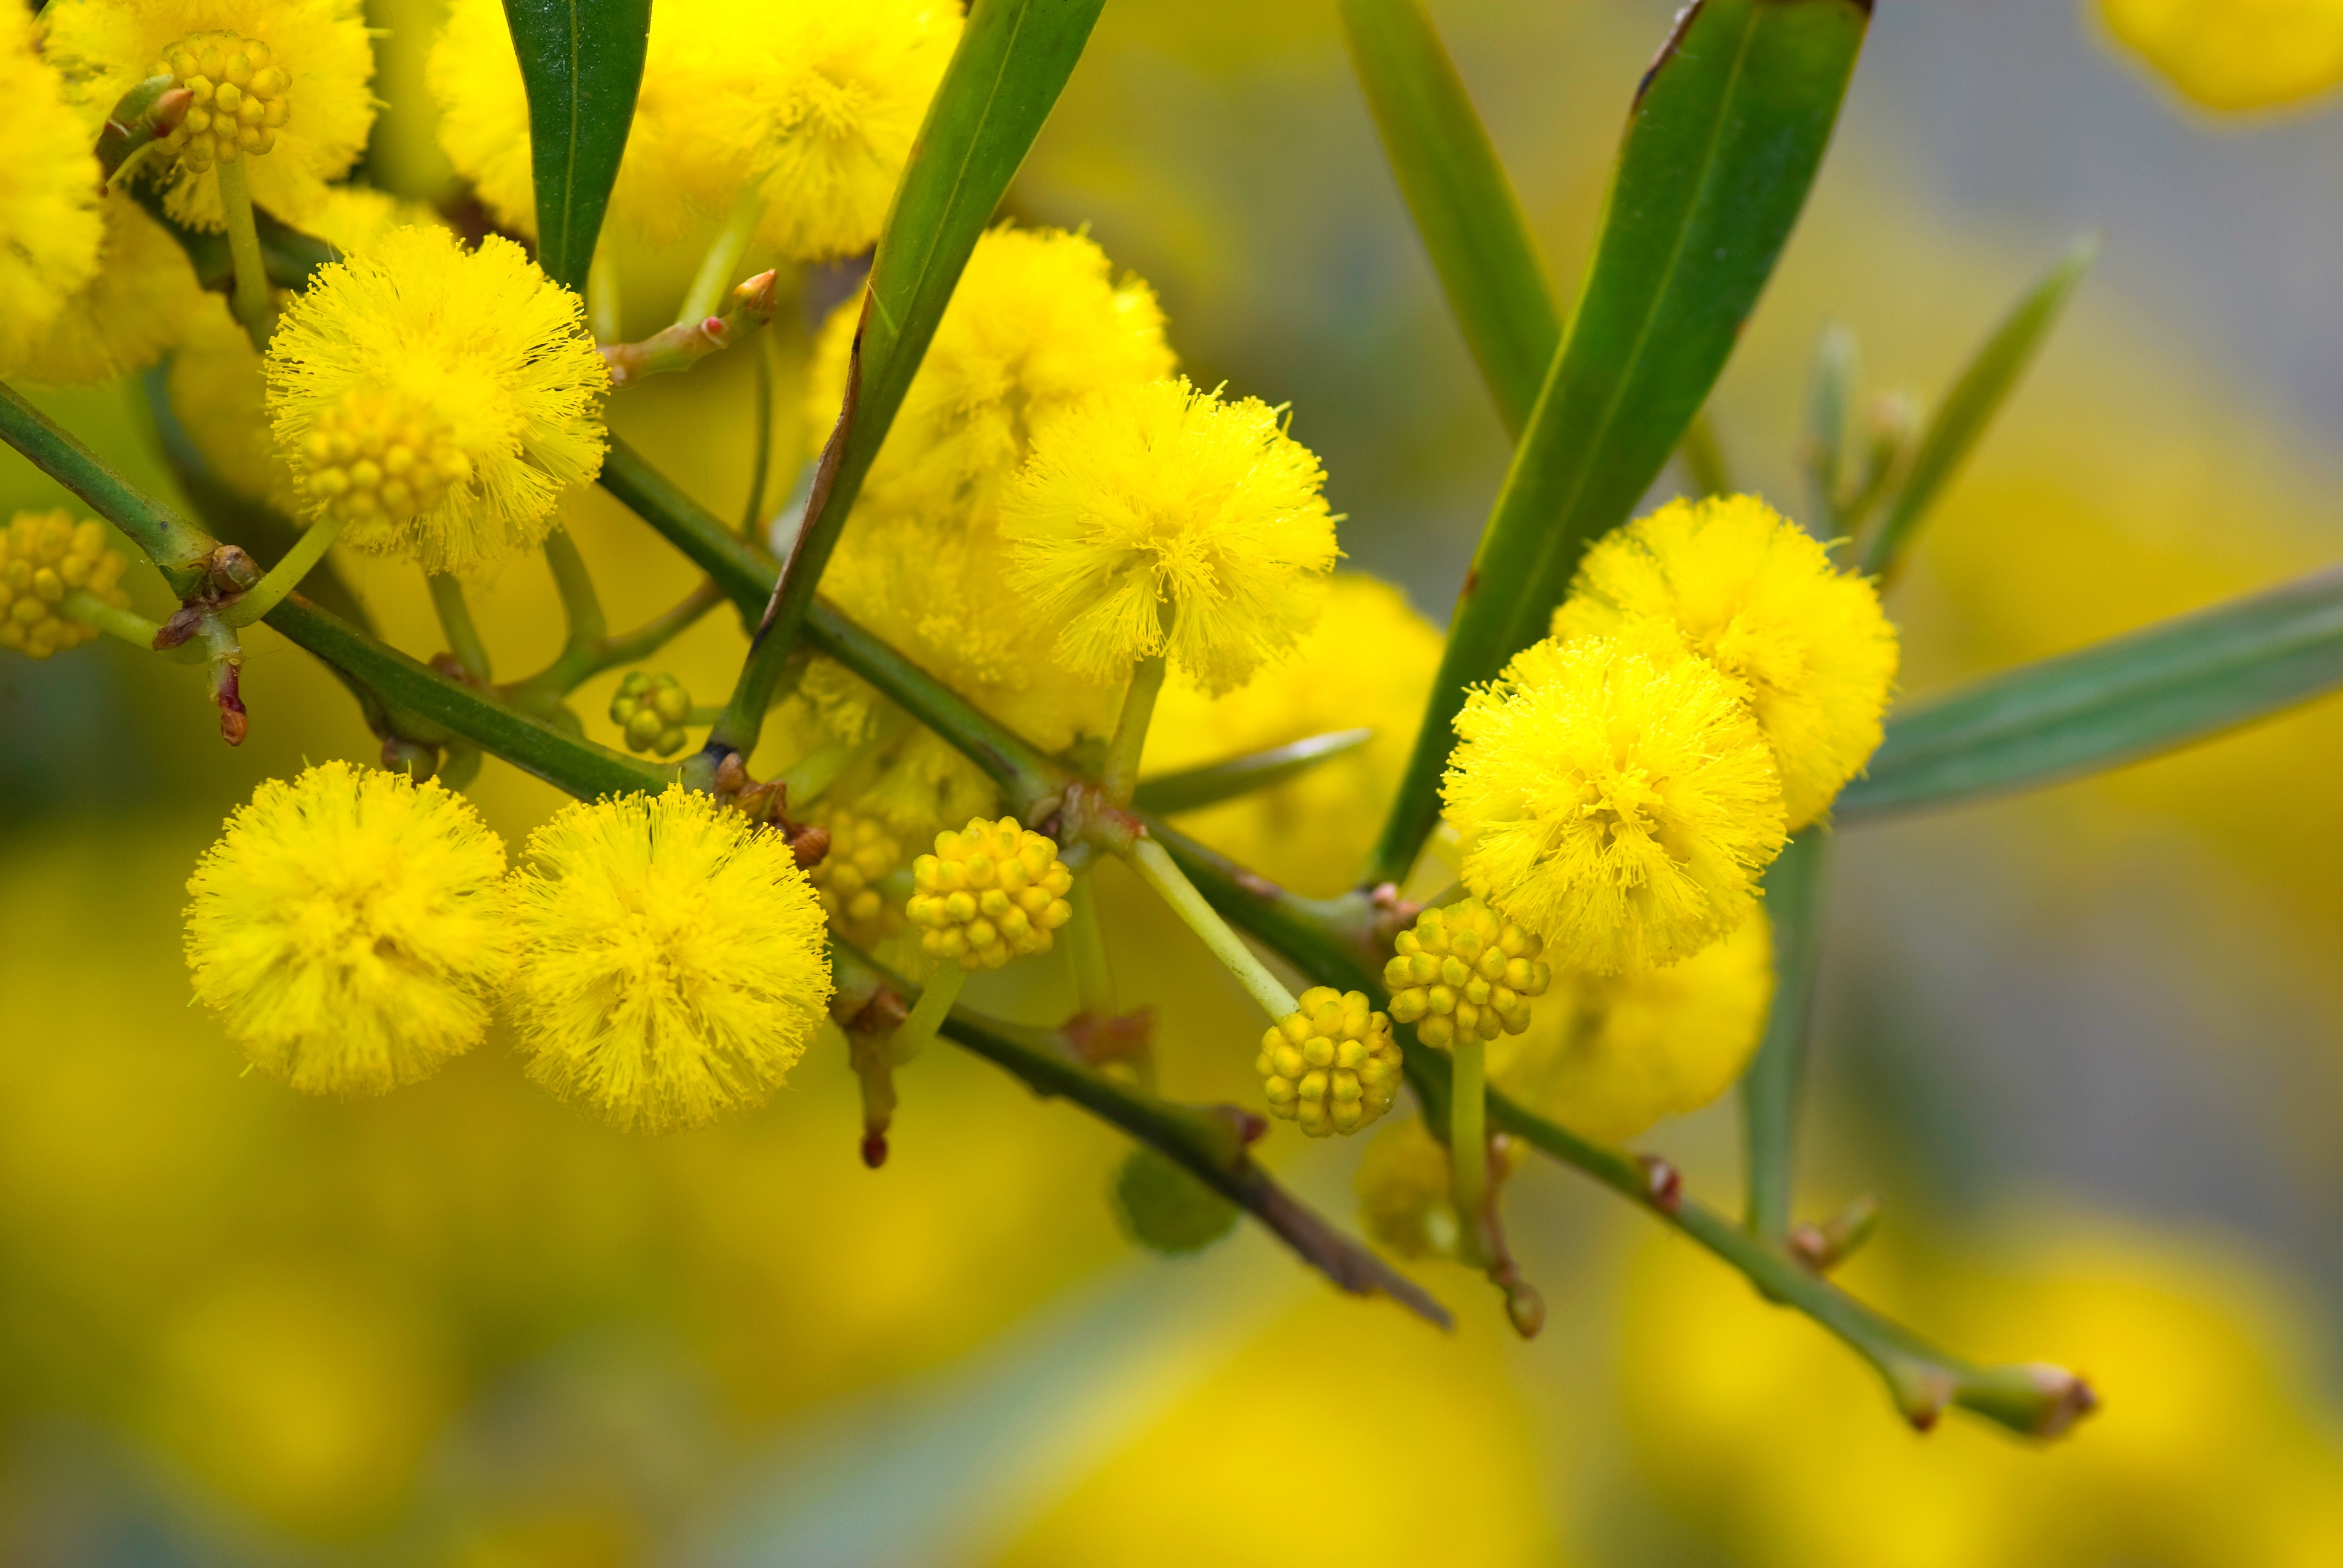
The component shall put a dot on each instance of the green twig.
(286, 574)
(723, 257)
(254, 309)
(1161, 873)
(760, 470)
(1769, 1089)
(181, 552)
(1122, 773)
(1468, 1144)
(127, 625)
(456, 623)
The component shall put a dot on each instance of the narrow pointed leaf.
(1977, 396)
(1722, 144)
(1769, 1089)
(2085, 712)
(1194, 788)
(582, 63)
(1464, 209)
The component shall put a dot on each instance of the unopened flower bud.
(991, 892)
(1332, 1066)
(1464, 972)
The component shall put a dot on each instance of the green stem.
(251, 299)
(128, 625)
(1161, 872)
(810, 776)
(1769, 1089)
(761, 470)
(1086, 949)
(927, 1015)
(723, 259)
(456, 622)
(181, 551)
(1122, 775)
(580, 605)
(1468, 1145)
(286, 574)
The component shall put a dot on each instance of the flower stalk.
(253, 308)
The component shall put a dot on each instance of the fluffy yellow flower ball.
(439, 400)
(1164, 505)
(350, 929)
(991, 892)
(1609, 1056)
(1464, 972)
(1369, 665)
(44, 556)
(49, 223)
(1332, 1066)
(1617, 806)
(1734, 581)
(125, 317)
(287, 84)
(672, 960)
(2235, 55)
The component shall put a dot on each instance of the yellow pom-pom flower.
(124, 317)
(1745, 588)
(862, 852)
(2236, 55)
(1332, 1066)
(283, 86)
(991, 892)
(1165, 505)
(1611, 1056)
(49, 222)
(438, 400)
(1617, 806)
(1464, 972)
(44, 557)
(349, 927)
(650, 710)
(672, 960)
(1036, 324)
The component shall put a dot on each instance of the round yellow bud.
(1462, 972)
(862, 852)
(236, 92)
(44, 556)
(991, 892)
(651, 710)
(1333, 1066)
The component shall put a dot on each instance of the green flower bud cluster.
(239, 94)
(651, 709)
(1464, 972)
(1332, 1067)
(45, 556)
(991, 892)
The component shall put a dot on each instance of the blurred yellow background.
(2085, 1044)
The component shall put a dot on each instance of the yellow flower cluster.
(1464, 972)
(49, 224)
(44, 556)
(991, 892)
(241, 99)
(862, 852)
(351, 928)
(470, 372)
(1332, 1066)
(2236, 55)
(650, 710)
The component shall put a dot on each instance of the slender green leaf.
(1464, 209)
(179, 549)
(1194, 788)
(1769, 1089)
(1013, 59)
(1830, 395)
(1983, 385)
(581, 62)
(1723, 143)
(2084, 712)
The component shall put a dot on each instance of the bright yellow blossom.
(49, 223)
(438, 400)
(2236, 55)
(991, 892)
(1733, 581)
(1331, 1066)
(44, 557)
(350, 929)
(672, 963)
(1609, 1056)
(1165, 505)
(1619, 807)
(1463, 970)
(124, 317)
(294, 77)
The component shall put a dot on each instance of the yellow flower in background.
(1619, 807)
(1733, 581)
(1163, 505)
(131, 310)
(349, 927)
(1607, 1057)
(1036, 324)
(49, 222)
(44, 557)
(439, 400)
(2235, 55)
(306, 69)
(672, 960)
(1404, 1188)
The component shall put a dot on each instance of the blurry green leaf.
(1166, 1210)
(582, 63)
(2122, 701)
(1193, 787)
(1465, 208)
(1728, 131)
(1830, 393)
(1013, 59)
(1769, 1089)
(1976, 398)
